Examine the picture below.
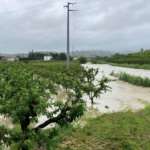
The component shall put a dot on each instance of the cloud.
(100, 24)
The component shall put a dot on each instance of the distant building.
(10, 58)
(47, 58)
(75, 58)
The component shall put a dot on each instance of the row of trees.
(40, 56)
(141, 57)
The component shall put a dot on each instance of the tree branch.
(56, 119)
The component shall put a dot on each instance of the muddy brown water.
(122, 96)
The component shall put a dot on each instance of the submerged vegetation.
(94, 88)
(136, 80)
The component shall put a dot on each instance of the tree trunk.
(92, 101)
(24, 122)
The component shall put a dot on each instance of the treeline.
(40, 56)
(141, 57)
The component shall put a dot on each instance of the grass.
(117, 131)
(136, 80)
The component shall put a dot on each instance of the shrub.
(83, 60)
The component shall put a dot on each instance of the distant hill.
(14, 55)
(91, 53)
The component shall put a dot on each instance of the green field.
(117, 131)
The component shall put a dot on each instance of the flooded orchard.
(122, 96)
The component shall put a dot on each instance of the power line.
(68, 31)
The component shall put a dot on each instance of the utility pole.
(68, 31)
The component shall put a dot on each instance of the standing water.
(122, 96)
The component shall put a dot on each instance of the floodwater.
(107, 69)
(122, 96)
(4, 121)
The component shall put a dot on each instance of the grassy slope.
(118, 131)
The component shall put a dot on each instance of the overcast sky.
(117, 25)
